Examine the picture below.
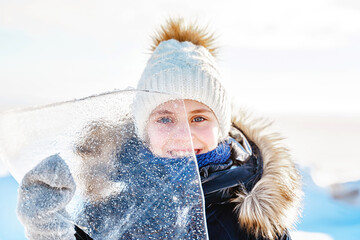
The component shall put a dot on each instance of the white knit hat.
(186, 71)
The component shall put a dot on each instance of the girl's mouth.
(183, 152)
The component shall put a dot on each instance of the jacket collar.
(272, 205)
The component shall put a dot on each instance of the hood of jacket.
(272, 205)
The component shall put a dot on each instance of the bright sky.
(281, 56)
(306, 52)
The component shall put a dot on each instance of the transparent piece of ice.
(127, 187)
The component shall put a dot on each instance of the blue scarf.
(219, 155)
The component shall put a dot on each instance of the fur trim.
(273, 205)
(176, 29)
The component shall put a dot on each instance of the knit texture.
(219, 155)
(185, 71)
(43, 195)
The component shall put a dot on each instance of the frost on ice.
(87, 163)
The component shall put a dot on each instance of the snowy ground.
(325, 142)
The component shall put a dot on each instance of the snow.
(298, 235)
(324, 214)
(323, 142)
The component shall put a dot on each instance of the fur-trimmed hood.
(272, 206)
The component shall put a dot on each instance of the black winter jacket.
(256, 198)
(219, 184)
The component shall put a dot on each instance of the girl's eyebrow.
(162, 112)
(201, 110)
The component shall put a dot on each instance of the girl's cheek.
(157, 140)
(209, 134)
(156, 145)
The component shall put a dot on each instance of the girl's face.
(170, 128)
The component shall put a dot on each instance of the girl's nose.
(182, 131)
(182, 135)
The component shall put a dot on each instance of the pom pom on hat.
(182, 64)
(178, 30)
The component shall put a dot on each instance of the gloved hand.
(43, 194)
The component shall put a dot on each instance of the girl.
(251, 187)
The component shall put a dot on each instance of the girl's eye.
(198, 119)
(164, 120)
